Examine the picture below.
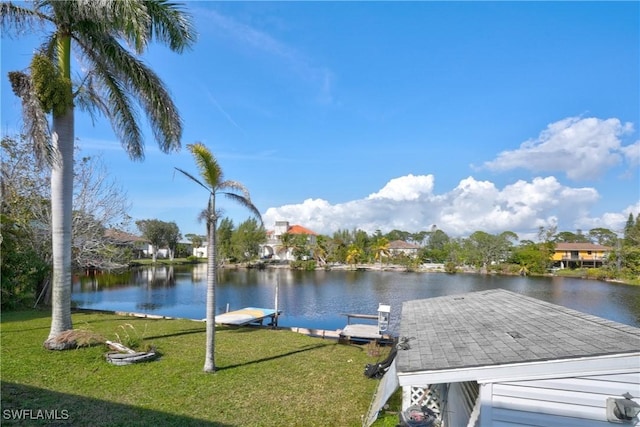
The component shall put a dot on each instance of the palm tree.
(319, 250)
(115, 84)
(287, 244)
(381, 249)
(213, 181)
(354, 253)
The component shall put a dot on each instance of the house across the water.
(498, 358)
(578, 255)
(274, 248)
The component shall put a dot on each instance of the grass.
(265, 377)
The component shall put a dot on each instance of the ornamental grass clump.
(131, 338)
(77, 338)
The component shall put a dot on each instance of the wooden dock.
(359, 332)
(247, 316)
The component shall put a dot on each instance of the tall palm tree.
(107, 37)
(213, 181)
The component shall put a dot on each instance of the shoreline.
(424, 268)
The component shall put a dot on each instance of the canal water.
(320, 299)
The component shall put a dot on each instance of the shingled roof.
(564, 246)
(499, 327)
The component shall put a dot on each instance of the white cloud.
(405, 188)
(408, 203)
(632, 153)
(614, 221)
(583, 148)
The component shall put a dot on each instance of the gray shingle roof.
(500, 327)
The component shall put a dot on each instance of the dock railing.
(359, 316)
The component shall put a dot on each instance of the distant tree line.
(100, 204)
(502, 252)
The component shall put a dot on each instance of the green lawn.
(265, 377)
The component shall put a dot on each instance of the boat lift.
(359, 332)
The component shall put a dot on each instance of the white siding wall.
(558, 402)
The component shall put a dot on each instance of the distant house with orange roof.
(274, 248)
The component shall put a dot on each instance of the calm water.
(318, 299)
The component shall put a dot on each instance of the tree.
(319, 250)
(212, 180)
(286, 245)
(301, 249)
(569, 237)
(195, 239)
(98, 203)
(160, 234)
(172, 237)
(354, 254)
(603, 236)
(224, 234)
(398, 235)
(247, 239)
(23, 270)
(632, 231)
(155, 232)
(532, 256)
(381, 249)
(115, 78)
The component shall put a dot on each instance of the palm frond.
(207, 164)
(170, 24)
(194, 179)
(107, 56)
(34, 118)
(243, 201)
(155, 100)
(134, 22)
(88, 98)
(235, 186)
(107, 91)
(19, 19)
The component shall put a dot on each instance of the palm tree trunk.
(61, 212)
(209, 360)
(61, 208)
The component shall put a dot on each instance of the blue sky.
(469, 116)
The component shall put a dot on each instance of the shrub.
(450, 267)
(23, 270)
(130, 337)
(309, 265)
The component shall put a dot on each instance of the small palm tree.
(381, 249)
(213, 181)
(319, 250)
(286, 245)
(354, 254)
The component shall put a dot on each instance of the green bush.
(309, 265)
(23, 272)
(450, 267)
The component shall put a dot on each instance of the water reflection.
(319, 299)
